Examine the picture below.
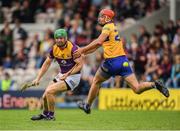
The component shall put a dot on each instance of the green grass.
(99, 120)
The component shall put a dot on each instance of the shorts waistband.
(122, 56)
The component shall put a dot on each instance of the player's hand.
(77, 53)
(35, 82)
(64, 76)
(29, 84)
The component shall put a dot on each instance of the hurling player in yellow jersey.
(68, 77)
(115, 63)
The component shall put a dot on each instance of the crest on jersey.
(63, 62)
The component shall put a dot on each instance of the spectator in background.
(143, 33)
(3, 48)
(174, 50)
(152, 65)
(127, 9)
(116, 6)
(58, 9)
(7, 38)
(166, 48)
(97, 2)
(19, 36)
(26, 12)
(1, 14)
(20, 60)
(65, 22)
(16, 11)
(35, 51)
(170, 31)
(75, 31)
(137, 53)
(47, 42)
(8, 62)
(164, 69)
(152, 5)
(6, 84)
(43, 47)
(158, 44)
(139, 9)
(175, 73)
(91, 15)
(176, 39)
(87, 32)
(178, 23)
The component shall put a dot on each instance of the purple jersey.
(64, 57)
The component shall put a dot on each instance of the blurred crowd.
(157, 55)
(79, 17)
(30, 11)
(152, 56)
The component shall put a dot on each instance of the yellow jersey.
(64, 57)
(112, 46)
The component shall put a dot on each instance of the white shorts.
(72, 80)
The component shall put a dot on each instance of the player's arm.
(75, 69)
(91, 50)
(94, 44)
(43, 69)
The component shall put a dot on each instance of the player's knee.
(136, 89)
(97, 81)
(49, 92)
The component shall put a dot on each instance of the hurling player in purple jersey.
(69, 77)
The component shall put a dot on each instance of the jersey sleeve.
(74, 48)
(106, 29)
(50, 54)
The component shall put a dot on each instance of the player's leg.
(70, 83)
(99, 77)
(138, 88)
(49, 100)
(96, 84)
(45, 112)
(50, 93)
(126, 71)
(45, 104)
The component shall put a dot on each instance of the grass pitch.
(99, 120)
